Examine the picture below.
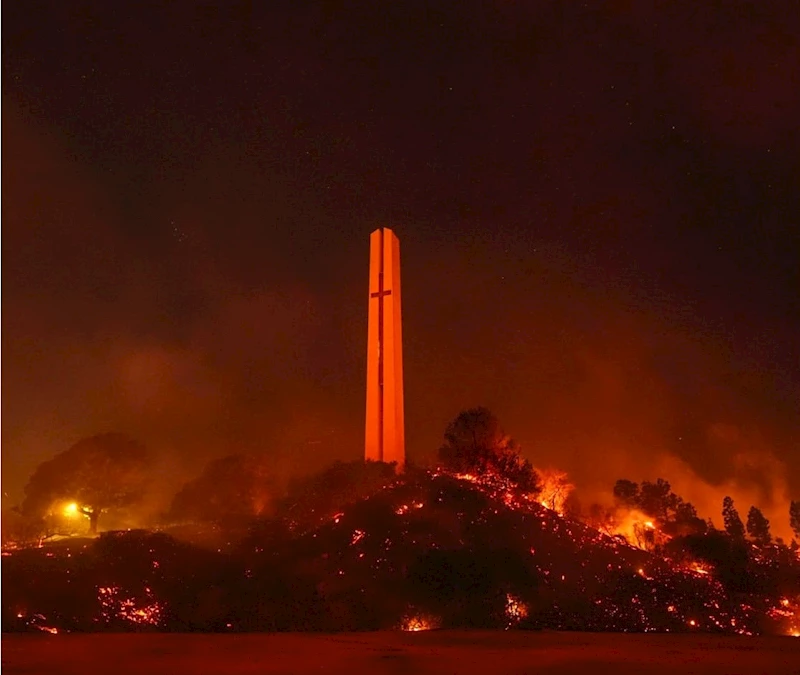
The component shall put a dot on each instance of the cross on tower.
(380, 292)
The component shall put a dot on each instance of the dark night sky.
(598, 206)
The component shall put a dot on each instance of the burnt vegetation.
(479, 539)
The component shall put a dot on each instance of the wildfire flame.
(636, 528)
(555, 489)
(414, 624)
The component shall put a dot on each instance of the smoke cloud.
(207, 342)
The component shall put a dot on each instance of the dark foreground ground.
(413, 653)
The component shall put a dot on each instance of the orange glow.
(414, 624)
(555, 489)
(467, 476)
(637, 529)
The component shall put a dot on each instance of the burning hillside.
(427, 550)
(481, 540)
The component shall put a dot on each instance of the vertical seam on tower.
(380, 346)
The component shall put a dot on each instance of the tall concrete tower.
(385, 428)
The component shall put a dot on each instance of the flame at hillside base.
(416, 624)
(617, 583)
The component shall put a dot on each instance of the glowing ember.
(466, 476)
(71, 510)
(414, 624)
(37, 621)
(405, 508)
(113, 606)
(516, 610)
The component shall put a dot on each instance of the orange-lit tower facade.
(385, 427)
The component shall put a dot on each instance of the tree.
(758, 526)
(97, 474)
(794, 518)
(683, 520)
(627, 492)
(236, 486)
(475, 444)
(730, 516)
(728, 556)
(20, 530)
(656, 499)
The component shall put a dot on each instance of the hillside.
(425, 551)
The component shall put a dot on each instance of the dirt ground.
(399, 653)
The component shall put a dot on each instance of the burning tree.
(660, 504)
(236, 486)
(758, 526)
(476, 445)
(97, 474)
(556, 488)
